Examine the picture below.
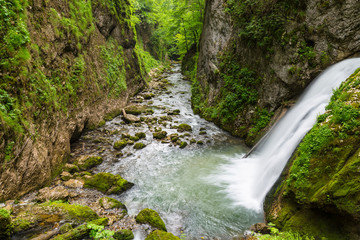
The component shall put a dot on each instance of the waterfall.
(247, 180)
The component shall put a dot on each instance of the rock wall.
(78, 66)
(255, 58)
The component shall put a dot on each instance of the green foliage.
(262, 22)
(112, 53)
(98, 232)
(149, 61)
(261, 120)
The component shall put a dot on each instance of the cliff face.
(66, 66)
(255, 57)
(319, 193)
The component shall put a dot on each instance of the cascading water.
(247, 180)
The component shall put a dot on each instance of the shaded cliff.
(319, 191)
(65, 66)
(256, 56)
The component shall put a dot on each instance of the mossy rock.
(21, 224)
(71, 168)
(139, 146)
(160, 135)
(174, 112)
(110, 203)
(67, 227)
(5, 224)
(108, 183)
(77, 213)
(200, 142)
(87, 162)
(183, 144)
(123, 234)
(118, 145)
(135, 109)
(151, 217)
(134, 138)
(82, 231)
(184, 128)
(140, 135)
(161, 235)
(202, 132)
(192, 141)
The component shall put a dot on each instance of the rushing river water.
(178, 183)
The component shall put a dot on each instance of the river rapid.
(178, 183)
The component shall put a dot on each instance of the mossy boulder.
(140, 135)
(118, 145)
(76, 213)
(183, 144)
(5, 224)
(110, 203)
(160, 135)
(161, 235)
(108, 183)
(151, 217)
(139, 145)
(87, 162)
(134, 138)
(184, 128)
(192, 141)
(123, 234)
(135, 109)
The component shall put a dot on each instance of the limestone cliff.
(65, 66)
(319, 191)
(255, 56)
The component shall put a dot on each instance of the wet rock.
(260, 228)
(54, 194)
(87, 162)
(65, 176)
(183, 144)
(202, 133)
(160, 135)
(123, 234)
(174, 137)
(192, 141)
(161, 235)
(149, 96)
(140, 135)
(110, 203)
(200, 142)
(118, 145)
(135, 109)
(125, 136)
(5, 224)
(74, 183)
(202, 129)
(139, 145)
(71, 168)
(129, 118)
(108, 183)
(184, 128)
(151, 217)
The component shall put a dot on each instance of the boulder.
(151, 217)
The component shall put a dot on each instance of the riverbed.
(179, 183)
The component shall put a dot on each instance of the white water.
(247, 180)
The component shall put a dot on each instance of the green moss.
(139, 146)
(87, 162)
(161, 235)
(71, 168)
(77, 213)
(184, 128)
(160, 135)
(151, 217)
(134, 138)
(109, 203)
(108, 183)
(123, 234)
(118, 145)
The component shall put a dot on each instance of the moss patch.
(77, 213)
(160, 135)
(87, 162)
(109, 203)
(151, 217)
(184, 128)
(108, 183)
(5, 224)
(118, 145)
(139, 146)
(161, 235)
